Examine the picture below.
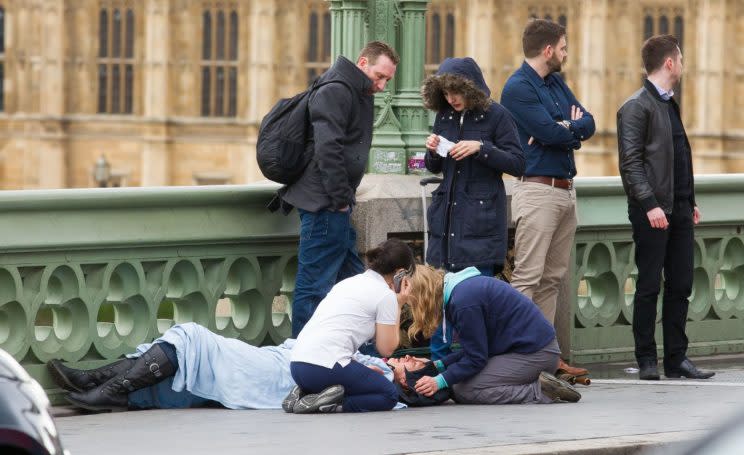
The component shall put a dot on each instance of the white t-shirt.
(345, 319)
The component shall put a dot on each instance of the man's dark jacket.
(341, 128)
(467, 216)
(646, 149)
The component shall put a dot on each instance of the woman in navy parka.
(467, 216)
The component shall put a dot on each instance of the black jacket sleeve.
(632, 125)
(331, 110)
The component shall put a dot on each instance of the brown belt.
(565, 184)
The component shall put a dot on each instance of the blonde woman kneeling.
(508, 347)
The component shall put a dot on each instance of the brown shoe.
(563, 367)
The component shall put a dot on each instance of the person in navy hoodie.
(509, 349)
(467, 216)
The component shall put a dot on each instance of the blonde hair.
(427, 295)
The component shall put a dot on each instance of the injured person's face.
(400, 365)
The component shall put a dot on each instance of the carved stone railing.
(603, 273)
(87, 275)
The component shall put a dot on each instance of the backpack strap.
(316, 85)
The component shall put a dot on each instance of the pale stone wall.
(51, 134)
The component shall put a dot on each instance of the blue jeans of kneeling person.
(364, 389)
(327, 255)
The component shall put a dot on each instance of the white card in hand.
(445, 145)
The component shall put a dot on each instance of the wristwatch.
(566, 124)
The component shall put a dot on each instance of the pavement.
(616, 415)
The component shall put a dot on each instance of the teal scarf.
(450, 281)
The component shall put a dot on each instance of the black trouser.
(670, 250)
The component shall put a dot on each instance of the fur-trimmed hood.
(458, 75)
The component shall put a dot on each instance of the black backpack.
(282, 149)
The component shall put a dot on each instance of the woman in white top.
(357, 309)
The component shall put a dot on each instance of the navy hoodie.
(491, 318)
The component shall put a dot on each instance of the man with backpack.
(341, 116)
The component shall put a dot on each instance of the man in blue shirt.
(552, 124)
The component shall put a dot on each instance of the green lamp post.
(401, 123)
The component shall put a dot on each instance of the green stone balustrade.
(87, 275)
(603, 274)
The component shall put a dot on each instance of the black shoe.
(688, 370)
(326, 401)
(76, 380)
(558, 390)
(113, 395)
(292, 398)
(648, 371)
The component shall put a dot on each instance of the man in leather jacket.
(656, 170)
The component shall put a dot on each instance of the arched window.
(440, 35)
(233, 35)
(663, 25)
(207, 35)
(220, 35)
(2, 59)
(116, 35)
(679, 29)
(103, 33)
(436, 38)
(449, 36)
(116, 69)
(129, 40)
(2, 30)
(219, 65)
(318, 40)
(648, 27)
(312, 44)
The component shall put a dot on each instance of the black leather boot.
(113, 395)
(81, 380)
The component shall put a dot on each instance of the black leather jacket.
(646, 150)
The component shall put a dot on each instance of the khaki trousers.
(545, 219)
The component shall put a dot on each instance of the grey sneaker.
(292, 398)
(326, 401)
(558, 390)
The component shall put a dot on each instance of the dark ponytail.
(389, 256)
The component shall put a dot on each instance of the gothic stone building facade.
(171, 92)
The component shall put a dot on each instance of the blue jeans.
(438, 347)
(364, 389)
(327, 255)
(162, 395)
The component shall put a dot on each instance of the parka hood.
(459, 75)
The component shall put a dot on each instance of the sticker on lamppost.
(387, 161)
(416, 163)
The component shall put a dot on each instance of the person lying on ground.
(190, 366)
